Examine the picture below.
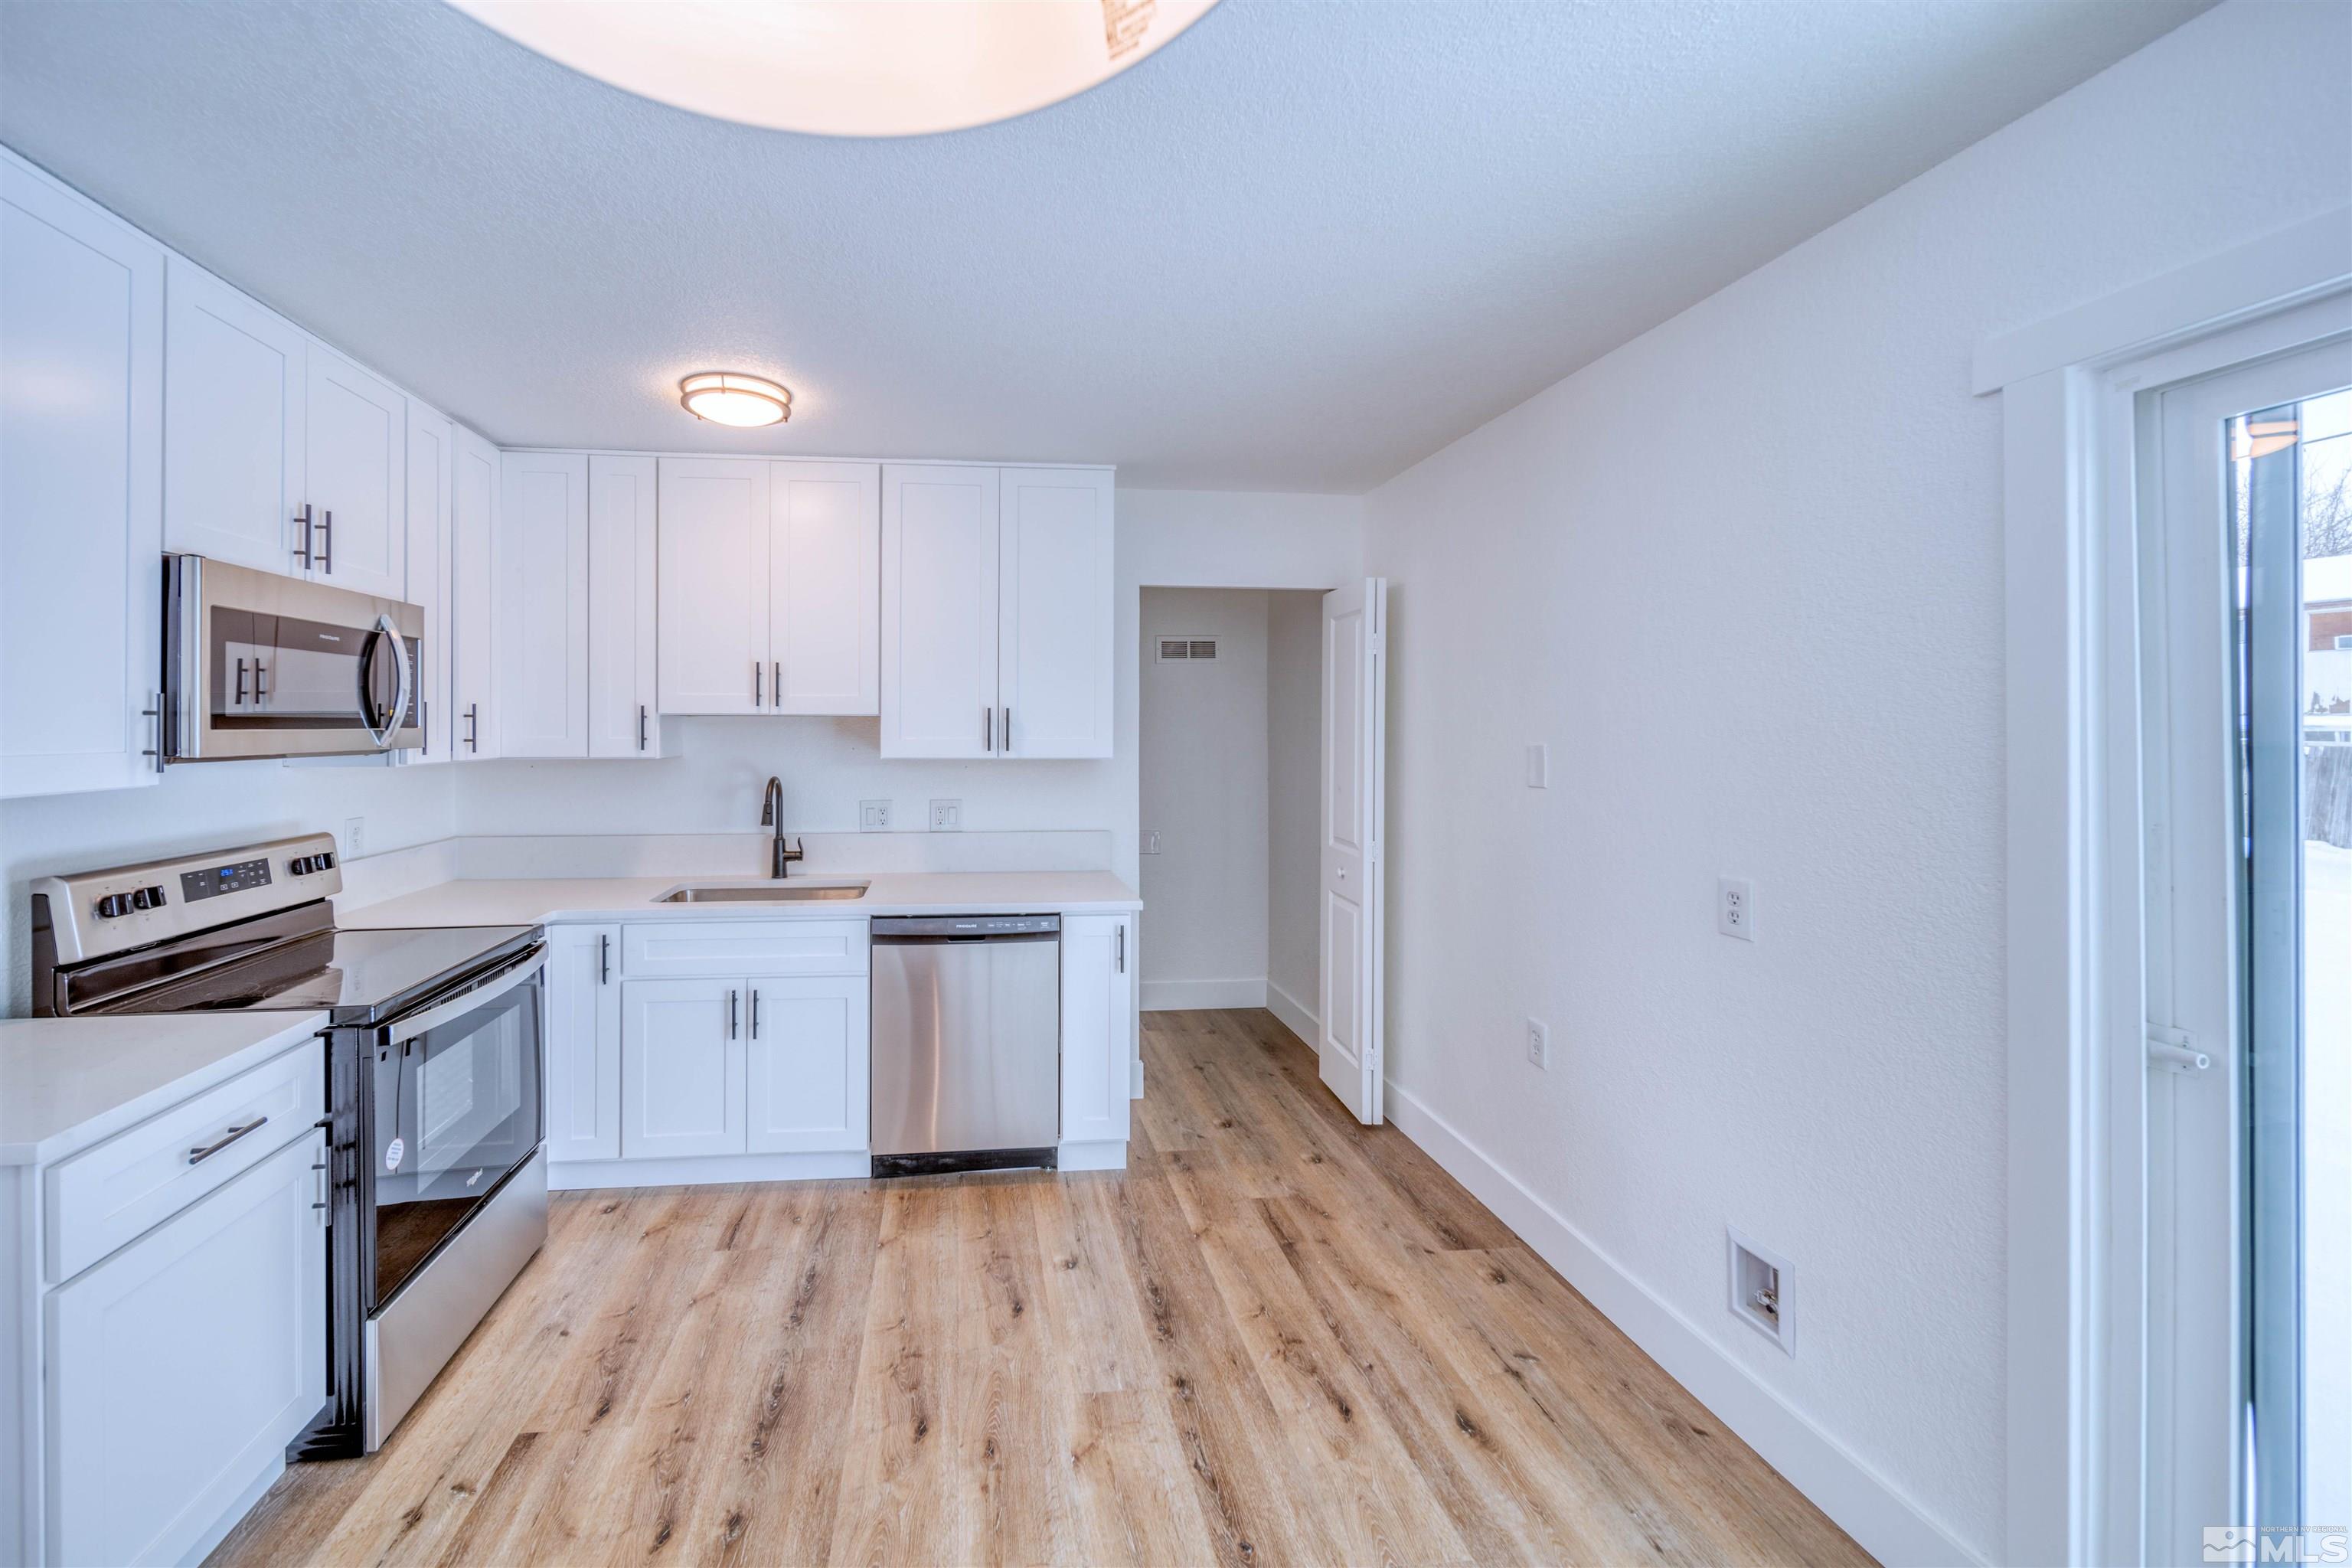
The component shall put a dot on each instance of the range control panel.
(214, 881)
(96, 913)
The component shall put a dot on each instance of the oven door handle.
(521, 973)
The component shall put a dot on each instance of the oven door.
(454, 1096)
(264, 666)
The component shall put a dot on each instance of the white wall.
(1203, 759)
(1744, 576)
(1294, 724)
(204, 805)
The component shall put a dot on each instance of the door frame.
(2071, 397)
(1196, 571)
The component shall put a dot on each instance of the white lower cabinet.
(681, 1067)
(583, 1042)
(1098, 1025)
(805, 1069)
(178, 1368)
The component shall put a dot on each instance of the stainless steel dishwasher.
(967, 1042)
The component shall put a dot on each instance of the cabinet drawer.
(700, 949)
(106, 1195)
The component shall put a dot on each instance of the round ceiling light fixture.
(724, 397)
(846, 68)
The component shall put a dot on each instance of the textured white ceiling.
(1300, 248)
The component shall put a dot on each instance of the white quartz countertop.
(65, 1083)
(486, 902)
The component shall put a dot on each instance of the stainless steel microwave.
(257, 664)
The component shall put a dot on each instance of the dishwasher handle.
(967, 928)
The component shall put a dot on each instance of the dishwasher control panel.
(951, 926)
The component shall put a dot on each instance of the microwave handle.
(403, 691)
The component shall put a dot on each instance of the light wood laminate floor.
(1277, 1338)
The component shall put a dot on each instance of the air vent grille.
(1187, 649)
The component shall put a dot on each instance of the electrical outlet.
(354, 843)
(873, 817)
(947, 816)
(1538, 1044)
(1734, 908)
(1762, 1284)
(1151, 844)
(1538, 767)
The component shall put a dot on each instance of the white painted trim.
(2076, 999)
(817, 457)
(1295, 1015)
(1889, 1525)
(576, 1176)
(233, 1515)
(1093, 1156)
(2299, 261)
(1183, 995)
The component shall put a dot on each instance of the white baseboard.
(1295, 1015)
(1865, 1504)
(1092, 1157)
(572, 1175)
(1183, 995)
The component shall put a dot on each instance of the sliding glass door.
(2247, 749)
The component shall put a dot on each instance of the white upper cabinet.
(714, 585)
(542, 605)
(235, 431)
(825, 566)
(279, 454)
(939, 554)
(356, 477)
(621, 706)
(81, 404)
(768, 596)
(431, 454)
(473, 596)
(1053, 630)
(997, 612)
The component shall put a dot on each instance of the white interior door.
(1355, 764)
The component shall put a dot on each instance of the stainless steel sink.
(766, 893)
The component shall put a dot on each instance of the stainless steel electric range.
(438, 1182)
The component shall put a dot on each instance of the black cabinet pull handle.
(327, 542)
(731, 1014)
(202, 1152)
(303, 549)
(604, 958)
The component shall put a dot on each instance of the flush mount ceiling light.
(724, 397)
(846, 68)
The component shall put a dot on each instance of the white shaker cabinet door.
(806, 1076)
(681, 1067)
(237, 411)
(824, 562)
(940, 564)
(542, 605)
(622, 714)
(81, 404)
(1097, 1026)
(357, 475)
(430, 457)
(180, 1367)
(714, 585)
(473, 597)
(583, 1042)
(1055, 622)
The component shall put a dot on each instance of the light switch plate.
(873, 817)
(1538, 1044)
(947, 816)
(1151, 844)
